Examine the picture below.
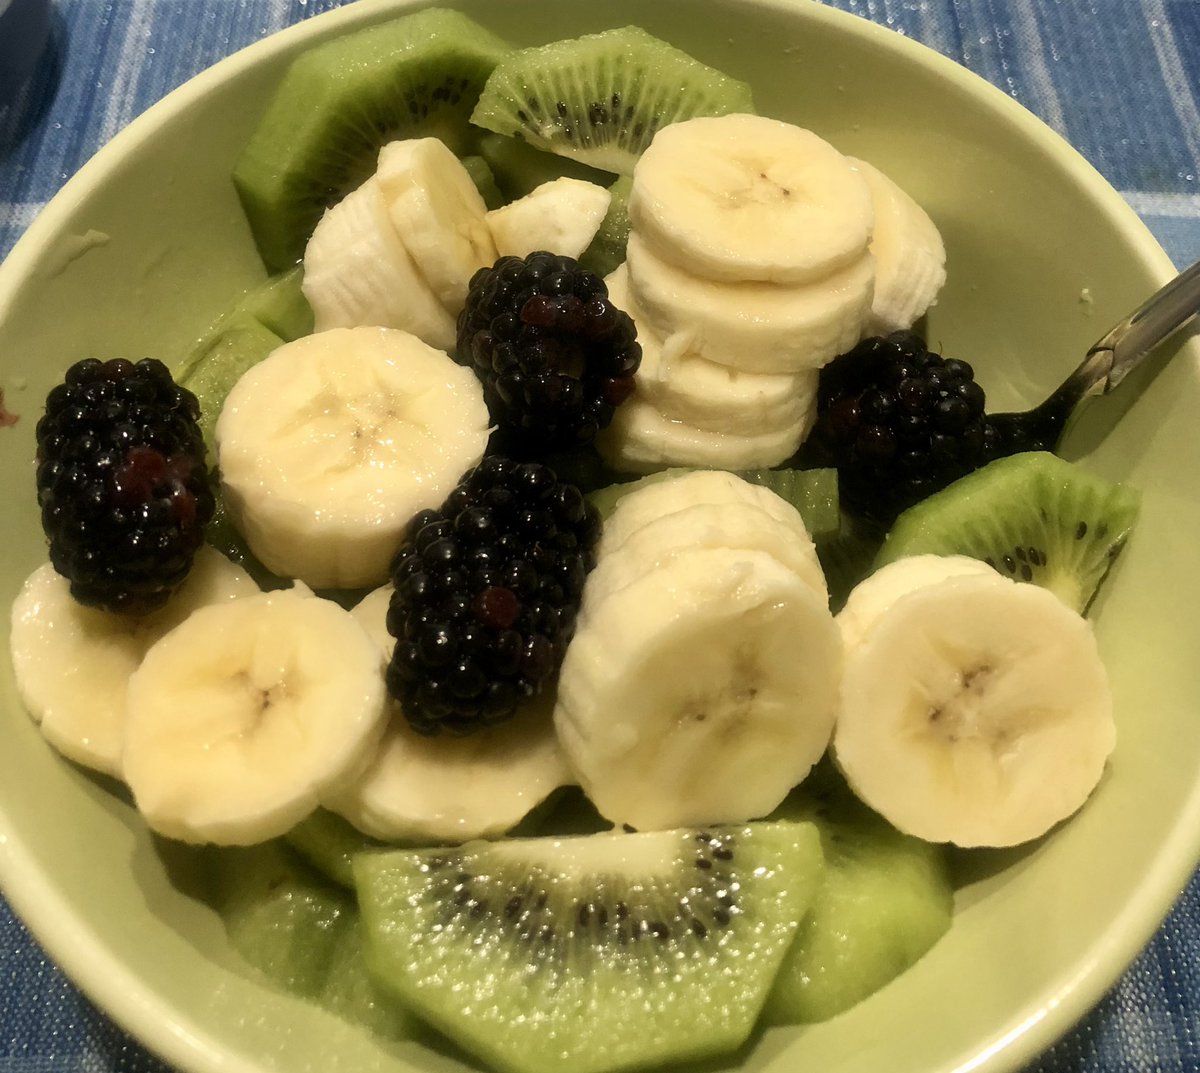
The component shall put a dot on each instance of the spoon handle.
(1125, 344)
(1109, 361)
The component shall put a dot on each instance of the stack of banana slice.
(400, 250)
(701, 684)
(757, 254)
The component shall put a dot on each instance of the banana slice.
(643, 505)
(742, 197)
(702, 393)
(449, 789)
(1002, 722)
(561, 216)
(72, 663)
(910, 257)
(438, 213)
(741, 526)
(870, 598)
(357, 271)
(730, 495)
(750, 326)
(641, 440)
(701, 692)
(331, 444)
(240, 719)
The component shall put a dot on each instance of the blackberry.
(122, 483)
(899, 423)
(487, 590)
(555, 356)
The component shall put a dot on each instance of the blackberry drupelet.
(487, 590)
(122, 482)
(899, 423)
(555, 356)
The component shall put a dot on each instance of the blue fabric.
(1120, 79)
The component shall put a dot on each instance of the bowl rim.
(177, 1036)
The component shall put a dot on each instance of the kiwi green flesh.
(339, 102)
(883, 902)
(280, 305)
(328, 843)
(601, 98)
(606, 251)
(301, 932)
(847, 555)
(1033, 516)
(484, 179)
(812, 492)
(603, 952)
(239, 342)
(519, 168)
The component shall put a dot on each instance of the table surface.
(1119, 79)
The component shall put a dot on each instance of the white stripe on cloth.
(123, 101)
(1149, 203)
(1175, 75)
(19, 213)
(1048, 104)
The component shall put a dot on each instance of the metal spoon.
(1108, 362)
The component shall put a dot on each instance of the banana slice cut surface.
(242, 717)
(871, 597)
(704, 525)
(438, 213)
(72, 663)
(562, 216)
(975, 711)
(701, 692)
(744, 197)
(643, 505)
(331, 444)
(753, 326)
(709, 508)
(357, 271)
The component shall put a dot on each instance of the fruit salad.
(571, 587)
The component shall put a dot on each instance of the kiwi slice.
(884, 900)
(848, 555)
(340, 101)
(1032, 516)
(301, 932)
(239, 342)
(520, 168)
(607, 249)
(601, 98)
(813, 492)
(328, 843)
(280, 306)
(601, 952)
(484, 179)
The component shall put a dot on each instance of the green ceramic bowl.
(147, 245)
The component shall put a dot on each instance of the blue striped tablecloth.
(1119, 79)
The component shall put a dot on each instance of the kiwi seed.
(1033, 517)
